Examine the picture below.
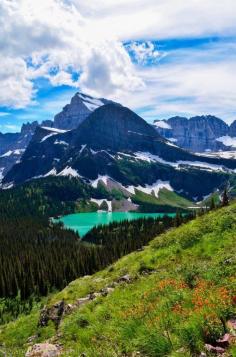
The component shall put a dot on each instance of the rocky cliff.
(198, 134)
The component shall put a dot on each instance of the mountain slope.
(177, 295)
(113, 142)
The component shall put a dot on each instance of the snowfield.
(13, 152)
(227, 140)
(149, 189)
(90, 103)
(53, 131)
(162, 124)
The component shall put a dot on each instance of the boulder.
(43, 350)
(53, 313)
(125, 279)
(224, 341)
(214, 349)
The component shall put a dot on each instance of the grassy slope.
(167, 313)
(166, 200)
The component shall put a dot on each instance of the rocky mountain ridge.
(115, 144)
(199, 133)
(12, 145)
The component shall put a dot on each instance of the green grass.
(171, 312)
(166, 201)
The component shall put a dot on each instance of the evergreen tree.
(225, 198)
(212, 204)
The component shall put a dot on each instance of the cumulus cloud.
(16, 87)
(80, 44)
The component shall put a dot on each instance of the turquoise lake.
(84, 222)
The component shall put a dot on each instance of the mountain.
(115, 147)
(173, 297)
(198, 134)
(12, 145)
(77, 111)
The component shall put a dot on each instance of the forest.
(37, 257)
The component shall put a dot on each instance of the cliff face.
(198, 133)
(232, 129)
(77, 111)
(13, 145)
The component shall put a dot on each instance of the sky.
(158, 57)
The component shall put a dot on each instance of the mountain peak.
(80, 107)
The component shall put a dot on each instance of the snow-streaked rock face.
(198, 133)
(77, 111)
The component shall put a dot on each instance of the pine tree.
(225, 198)
(212, 204)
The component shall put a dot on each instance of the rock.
(32, 338)
(125, 279)
(53, 313)
(77, 111)
(43, 350)
(224, 341)
(83, 301)
(106, 291)
(197, 133)
(214, 349)
(69, 308)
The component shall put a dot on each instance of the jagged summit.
(78, 110)
(199, 133)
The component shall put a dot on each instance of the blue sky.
(170, 58)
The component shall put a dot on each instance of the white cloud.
(144, 52)
(16, 89)
(54, 38)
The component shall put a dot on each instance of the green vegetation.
(181, 293)
(167, 201)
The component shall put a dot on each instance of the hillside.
(169, 299)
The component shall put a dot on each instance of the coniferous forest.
(37, 257)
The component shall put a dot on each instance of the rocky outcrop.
(53, 313)
(197, 134)
(43, 350)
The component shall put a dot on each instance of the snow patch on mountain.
(203, 165)
(52, 172)
(90, 103)
(94, 183)
(13, 152)
(1, 173)
(220, 154)
(61, 142)
(52, 132)
(162, 124)
(151, 189)
(227, 140)
(68, 171)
